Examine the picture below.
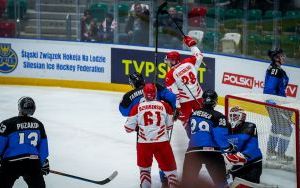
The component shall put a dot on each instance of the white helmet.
(237, 116)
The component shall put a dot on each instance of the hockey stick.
(159, 10)
(101, 182)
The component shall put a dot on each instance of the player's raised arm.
(192, 44)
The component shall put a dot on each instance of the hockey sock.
(172, 178)
(272, 142)
(145, 177)
(283, 145)
(162, 175)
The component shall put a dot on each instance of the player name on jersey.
(202, 114)
(147, 107)
(186, 69)
(135, 94)
(27, 125)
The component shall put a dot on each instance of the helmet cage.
(150, 91)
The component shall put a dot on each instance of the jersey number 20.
(201, 126)
(32, 137)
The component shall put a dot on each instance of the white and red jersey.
(153, 119)
(185, 74)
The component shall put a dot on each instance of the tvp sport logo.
(8, 58)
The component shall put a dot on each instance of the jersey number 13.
(32, 137)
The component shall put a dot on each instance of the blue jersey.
(133, 97)
(22, 137)
(244, 137)
(207, 130)
(276, 81)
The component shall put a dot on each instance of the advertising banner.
(55, 60)
(126, 61)
(237, 75)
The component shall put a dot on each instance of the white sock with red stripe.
(172, 178)
(145, 177)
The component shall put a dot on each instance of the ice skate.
(272, 155)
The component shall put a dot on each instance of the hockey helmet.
(136, 80)
(237, 116)
(172, 58)
(274, 54)
(26, 106)
(210, 98)
(149, 91)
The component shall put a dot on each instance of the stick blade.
(107, 180)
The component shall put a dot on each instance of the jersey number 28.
(32, 137)
(190, 78)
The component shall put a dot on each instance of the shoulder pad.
(248, 128)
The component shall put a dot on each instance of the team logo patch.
(8, 58)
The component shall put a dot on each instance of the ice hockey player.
(23, 148)
(276, 81)
(182, 79)
(152, 119)
(135, 96)
(208, 133)
(247, 162)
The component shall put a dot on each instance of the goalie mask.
(149, 91)
(26, 106)
(172, 58)
(237, 116)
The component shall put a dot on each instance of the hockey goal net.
(277, 121)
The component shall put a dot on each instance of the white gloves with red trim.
(235, 158)
(189, 41)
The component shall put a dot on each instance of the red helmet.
(172, 58)
(149, 91)
(237, 116)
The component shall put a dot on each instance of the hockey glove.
(45, 167)
(235, 158)
(189, 41)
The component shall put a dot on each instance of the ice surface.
(87, 138)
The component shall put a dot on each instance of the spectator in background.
(172, 37)
(137, 26)
(106, 29)
(88, 27)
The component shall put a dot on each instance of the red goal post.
(285, 112)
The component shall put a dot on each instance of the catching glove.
(189, 41)
(45, 167)
(235, 158)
